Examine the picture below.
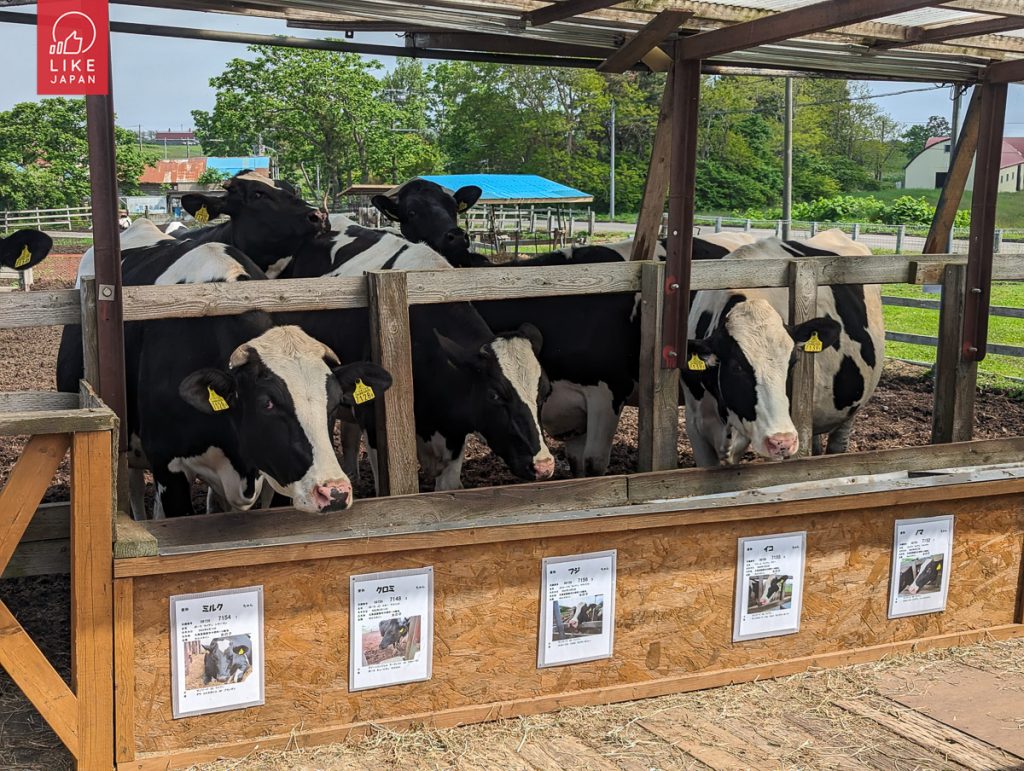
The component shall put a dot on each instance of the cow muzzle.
(333, 495)
(544, 468)
(781, 446)
(454, 241)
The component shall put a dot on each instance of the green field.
(922, 321)
(174, 151)
(1009, 207)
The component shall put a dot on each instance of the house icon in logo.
(73, 34)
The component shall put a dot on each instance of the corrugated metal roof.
(173, 172)
(512, 188)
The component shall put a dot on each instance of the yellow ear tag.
(463, 206)
(362, 393)
(696, 363)
(813, 345)
(217, 402)
(24, 258)
(202, 216)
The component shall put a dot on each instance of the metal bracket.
(105, 292)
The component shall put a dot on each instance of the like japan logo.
(72, 47)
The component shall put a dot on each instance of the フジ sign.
(73, 47)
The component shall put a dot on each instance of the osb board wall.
(673, 616)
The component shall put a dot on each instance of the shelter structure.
(675, 530)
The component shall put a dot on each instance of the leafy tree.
(44, 155)
(914, 137)
(211, 176)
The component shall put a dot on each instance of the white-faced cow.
(232, 400)
(740, 400)
(24, 249)
(227, 659)
(466, 378)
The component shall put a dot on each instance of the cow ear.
(209, 390)
(24, 249)
(204, 207)
(241, 650)
(700, 354)
(531, 333)
(816, 334)
(457, 355)
(207, 647)
(361, 382)
(387, 207)
(467, 196)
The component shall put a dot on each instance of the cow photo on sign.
(922, 552)
(769, 592)
(216, 650)
(574, 620)
(769, 585)
(391, 639)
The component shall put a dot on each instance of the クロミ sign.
(73, 47)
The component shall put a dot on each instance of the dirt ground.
(809, 721)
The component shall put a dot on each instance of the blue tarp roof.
(513, 188)
(232, 166)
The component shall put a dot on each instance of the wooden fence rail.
(45, 219)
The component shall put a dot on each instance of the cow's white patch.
(214, 468)
(298, 360)
(158, 502)
(584, 416)
(223, 645)
(412, 256)
(140, 234)
(276, 269)
(519, 365)
(204, 264)
(435, 457)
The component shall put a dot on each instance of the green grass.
(174, 152)
(1009, 206)
(922, 321)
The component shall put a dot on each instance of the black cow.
(227, 659)
(24, 249)
(393, 632)
(427, 214)
(916, 580)
(466, 378)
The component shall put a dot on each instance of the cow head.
(278, 391)
(227, 658)
(269, 220)
(393, 631)
(748, 359)
(428, 214)
(24, 249)
(505, 388)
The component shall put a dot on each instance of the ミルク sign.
(73, 44)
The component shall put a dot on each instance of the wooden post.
(746, 225)
(391, 347)
(718, 224)
(901, 231)
(856, 231)
(955, 379)
(683, 173)
(652, 206)
(997, 241)
(659, 388)
(956, 179)
(803, 306)
(814, 229)
(90, 346)
(983, 220)
(92, 598)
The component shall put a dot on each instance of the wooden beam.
(798, 22)
(652, 207)
(956, 179)
(955, 380)
(505, 44)
(564, 10)
(28, 481)
(803, 306)
(682, 180)
(1006, 72)
(925, 35)
(983, 221)
(640, 44)
(658, 419)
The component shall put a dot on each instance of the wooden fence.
(67, 217)
(915, 339)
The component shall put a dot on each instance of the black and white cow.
(915, 579)
(426, 213)
(231, 400)
(24, 249)
(739, 400)
(227, 659)
(466, 378)
(585, 612)
(766, 591)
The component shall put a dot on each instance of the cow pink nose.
(544, 468)
(782, 445)
(333, 495)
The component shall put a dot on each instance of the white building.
(928, 168)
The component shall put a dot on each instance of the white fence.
(66, 218)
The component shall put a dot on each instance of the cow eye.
(268, 405)
(257, 194)
(494, 396)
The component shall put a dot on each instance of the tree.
(324, 113)
(44, 155)
(211, 176)
(914, 138)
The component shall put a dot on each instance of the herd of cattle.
(246, 403)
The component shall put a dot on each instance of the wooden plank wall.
(673, 628)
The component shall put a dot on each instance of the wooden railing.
(46, 219)
(82, 715)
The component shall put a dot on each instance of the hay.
(796, 720)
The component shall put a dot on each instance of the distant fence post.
(551, 222)
(746, 226)
(900, 232)
(997, 243)
(856, 231)
(778, 228)
(590, 222)
(955, 379)
(814, 229)
(718, 224)
(533, 219)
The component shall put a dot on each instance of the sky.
(158, 81)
